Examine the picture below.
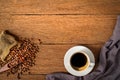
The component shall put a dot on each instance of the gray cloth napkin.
(109, 62)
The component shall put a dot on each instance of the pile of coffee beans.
(21, 57)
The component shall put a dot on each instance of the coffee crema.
(79, 61)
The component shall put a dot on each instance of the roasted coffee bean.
(22, 56)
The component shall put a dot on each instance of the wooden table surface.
(60, 24)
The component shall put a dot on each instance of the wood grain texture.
(61, 29)
(60, 6)
(23, 77)
(50, 59)
(60, 24)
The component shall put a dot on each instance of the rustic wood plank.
(60, 6)
(60, 29)
(50, 58)
(23, 77)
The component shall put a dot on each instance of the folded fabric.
(109, 62)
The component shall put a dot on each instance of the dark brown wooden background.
(60, 24)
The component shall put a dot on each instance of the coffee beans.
(22, 57)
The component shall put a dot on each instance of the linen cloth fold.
(109, 61)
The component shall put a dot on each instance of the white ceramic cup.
(79, 60)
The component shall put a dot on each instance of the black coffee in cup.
(79, 61)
